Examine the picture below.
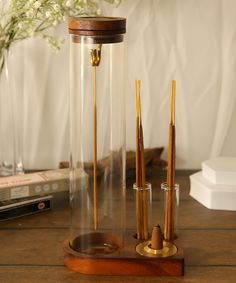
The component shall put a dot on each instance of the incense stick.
(141, 195)
(95, 61)
(170, 193)
(143, 182)
(138, 183)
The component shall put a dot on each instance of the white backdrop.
(193, 42)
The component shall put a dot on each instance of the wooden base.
(125, 262)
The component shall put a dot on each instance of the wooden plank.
(55, 218)
(217, 247)
(44, 246)
(36, 274)
(32, 246)
(191, 215)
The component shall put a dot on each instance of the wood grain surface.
(31, 247)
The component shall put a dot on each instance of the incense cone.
(157, 239)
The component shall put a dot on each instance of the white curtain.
(193, 42)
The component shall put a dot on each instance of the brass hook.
(96, 56)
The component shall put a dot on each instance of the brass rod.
(95, 58)
(95, 203)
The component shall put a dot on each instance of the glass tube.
(143, 208)
(97, 135)
(170, 212)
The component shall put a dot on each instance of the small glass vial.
(143, 208)
(170, 204)
(97, 135)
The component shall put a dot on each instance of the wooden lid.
(93, 26)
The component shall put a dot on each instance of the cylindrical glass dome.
(97, 134)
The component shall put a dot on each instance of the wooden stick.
(170, 193)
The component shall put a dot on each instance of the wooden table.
(31, 247)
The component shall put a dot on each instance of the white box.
(37, 184)
(220, 170)
(212, 196)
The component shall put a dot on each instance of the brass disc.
(144, 249)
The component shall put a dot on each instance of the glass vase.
(11, 112)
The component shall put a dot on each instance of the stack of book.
(215, 185)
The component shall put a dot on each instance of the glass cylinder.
(97, 134)
(170, 204)
(143, 208)
(11, 111)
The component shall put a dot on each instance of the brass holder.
(145, 249)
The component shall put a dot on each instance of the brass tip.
(157, 239)
(95, 55)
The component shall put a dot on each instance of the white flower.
(29, 4)
(56, 7)
(55, 23)
(37, 4)
(69, 3)
(48, 14)
(20, 25)
(29, 14)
